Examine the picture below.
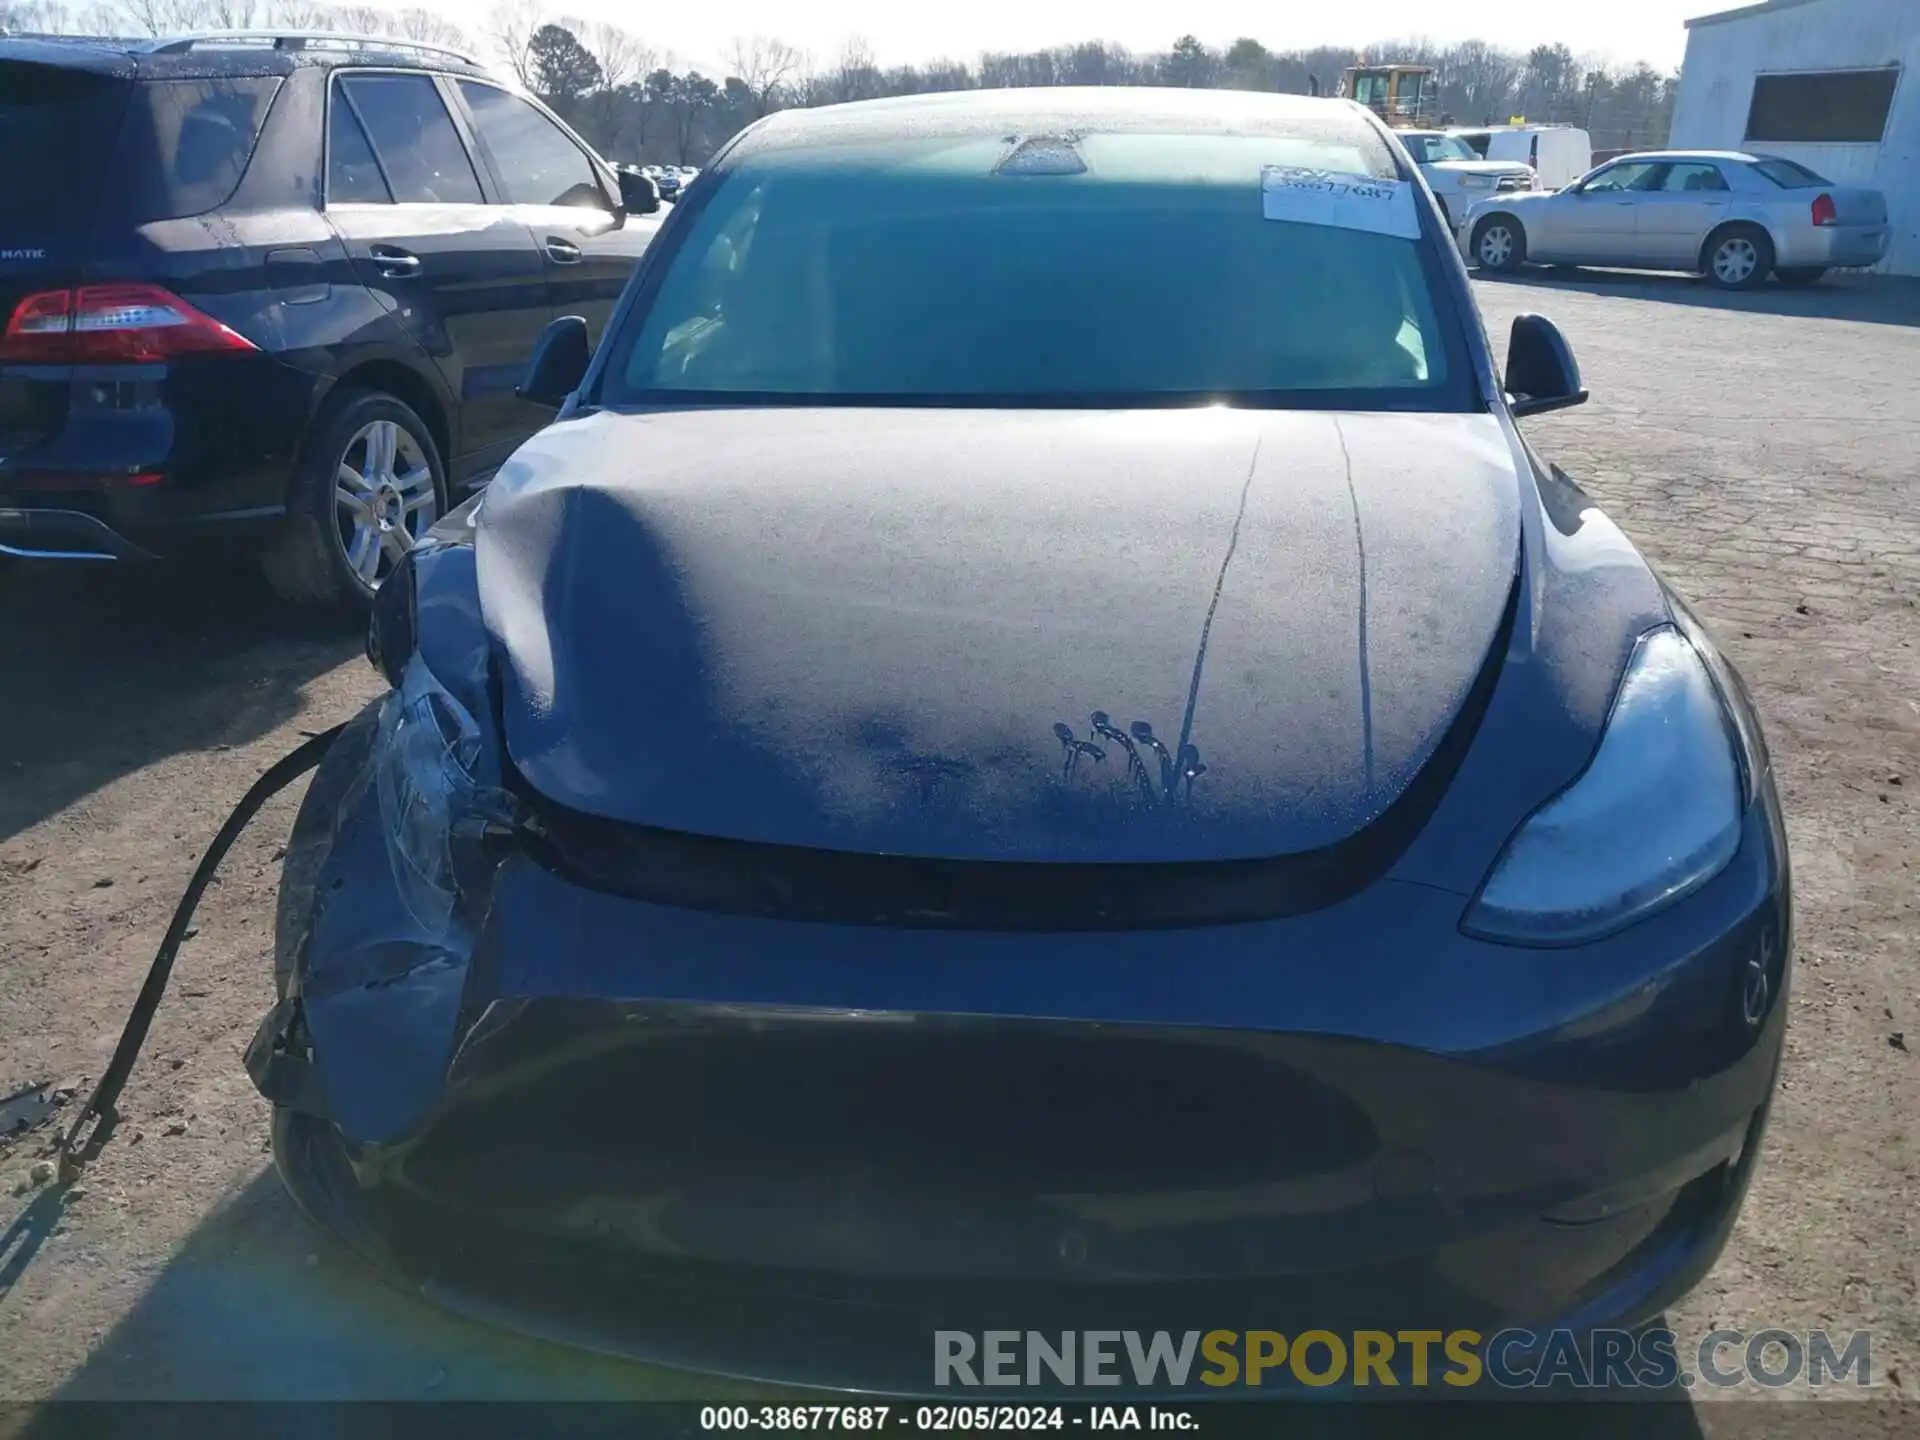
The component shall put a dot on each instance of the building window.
(1822, 106)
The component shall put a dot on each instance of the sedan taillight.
(1825, 212)
(111, 325)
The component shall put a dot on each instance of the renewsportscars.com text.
(1509, 1359)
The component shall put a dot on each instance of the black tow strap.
(100, 1105)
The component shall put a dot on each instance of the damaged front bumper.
(794, 1151)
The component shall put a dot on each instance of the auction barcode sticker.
(1344, 202)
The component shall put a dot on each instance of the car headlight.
(1476, 182)
(433, 801)
(1654, 816)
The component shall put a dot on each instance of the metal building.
(1829, 83)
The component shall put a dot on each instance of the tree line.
(635, 103)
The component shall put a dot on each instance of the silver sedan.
(1733, 216)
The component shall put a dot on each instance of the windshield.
(1788, 175)
(1430, 149)
(1119, 270)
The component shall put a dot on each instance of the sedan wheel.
(384, 498)
(1739, 259)
(1498, 246)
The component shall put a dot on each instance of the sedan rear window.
(1119, 269)
(1788, 175)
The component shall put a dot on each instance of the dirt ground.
(1761, 449)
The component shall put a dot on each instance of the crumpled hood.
(974, 634)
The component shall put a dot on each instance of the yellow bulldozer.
(1405, 96)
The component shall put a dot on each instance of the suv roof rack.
(49, 37)
(304, 40)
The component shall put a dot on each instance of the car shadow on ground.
(1867, 299)
(259, 1305)
(110, 668)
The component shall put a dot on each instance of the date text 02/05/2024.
(943, 1419)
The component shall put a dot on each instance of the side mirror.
(638, 194)
(1542, 374)
(558, 363)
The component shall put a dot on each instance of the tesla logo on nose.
(1176, 773)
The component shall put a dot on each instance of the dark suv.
(276, 290)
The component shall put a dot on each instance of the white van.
(1558, 154)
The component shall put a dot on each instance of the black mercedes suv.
(275, 291)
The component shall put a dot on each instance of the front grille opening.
(908, 1113)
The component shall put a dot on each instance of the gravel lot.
(1760, 448)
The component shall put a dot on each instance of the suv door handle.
(395, 263)
(561, 253)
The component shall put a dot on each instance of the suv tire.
(368, 484)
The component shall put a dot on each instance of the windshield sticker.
(1343, 202)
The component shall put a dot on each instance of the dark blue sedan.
(1034, 748)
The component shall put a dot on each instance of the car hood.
(1495, 168)
(976, 634)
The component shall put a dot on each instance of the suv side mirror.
(558, 363)
(638, 194)
(1542, 374)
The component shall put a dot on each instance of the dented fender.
(370, 995)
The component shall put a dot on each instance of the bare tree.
(625, 60)
(620, 54)
(1479, 80)
(511, 26)
(146, 16)
(236, 14)
(853, 76)
(304, 15)
(37, 17)
(97, 19)
(1096, 62)
(765, 66)
(429, 27)
(168, 17)
(641, 106)
(945, 74)
(1420, 50)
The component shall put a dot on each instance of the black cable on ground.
(101, 1103)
